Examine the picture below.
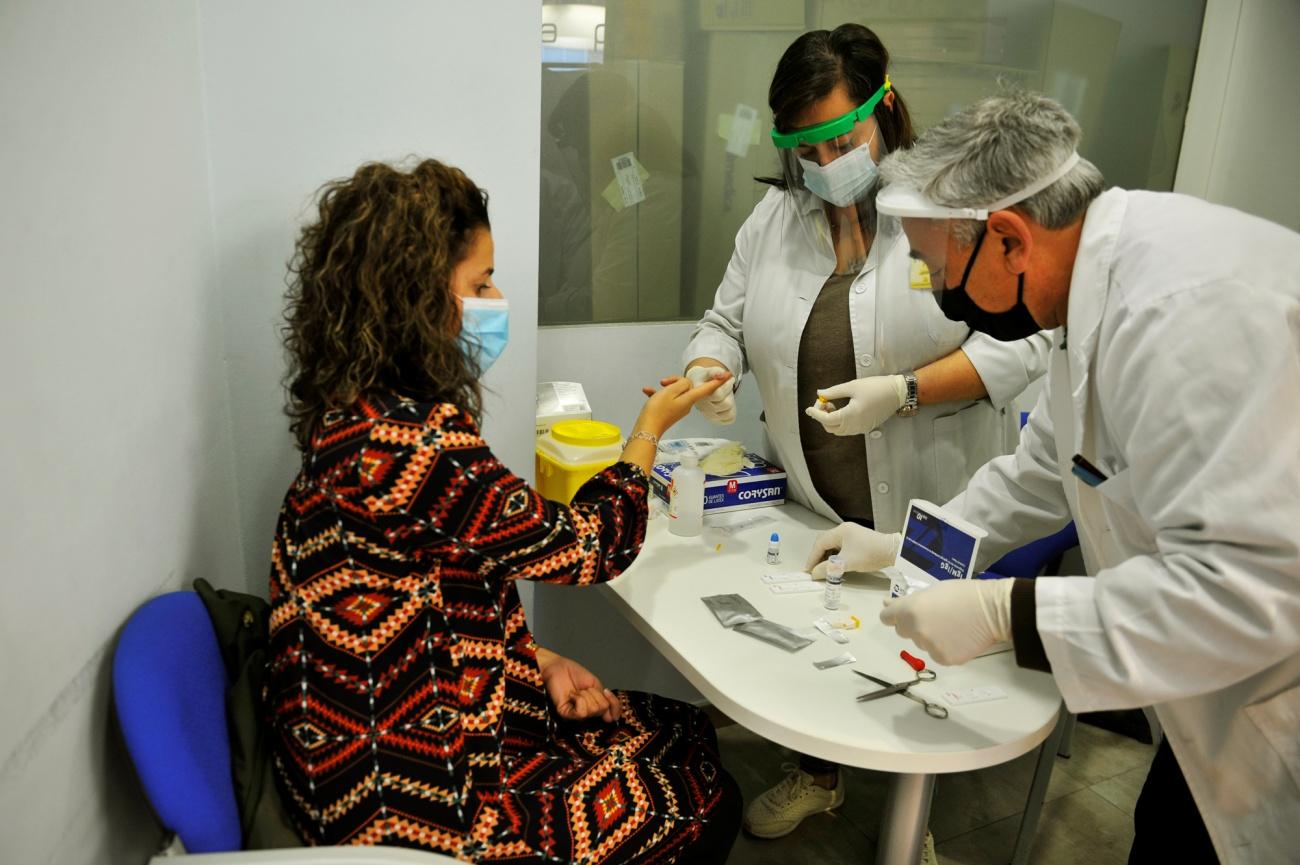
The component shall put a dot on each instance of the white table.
(782, 697)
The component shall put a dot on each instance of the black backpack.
(242, 623)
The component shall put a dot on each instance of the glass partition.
(655, 121)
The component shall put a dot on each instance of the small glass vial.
(834, 581)
(774, 549)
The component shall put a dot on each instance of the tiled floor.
(1087, 818)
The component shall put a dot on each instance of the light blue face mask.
(484, 329)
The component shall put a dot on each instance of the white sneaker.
(778, 811)
(928, 856)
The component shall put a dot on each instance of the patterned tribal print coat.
(406, 702)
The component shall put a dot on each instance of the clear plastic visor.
(832, 186)
(940, 250)
(942, 238)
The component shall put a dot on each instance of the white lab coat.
(1180, 380)
(757, 319)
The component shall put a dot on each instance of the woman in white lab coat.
(810, 305)
(787, 301)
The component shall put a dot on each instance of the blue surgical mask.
(843, 180)
(484, 329)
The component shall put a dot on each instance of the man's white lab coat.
(759, 314)
(1179, 378)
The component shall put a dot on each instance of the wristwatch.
(909, 404)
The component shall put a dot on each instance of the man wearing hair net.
(1168, 430)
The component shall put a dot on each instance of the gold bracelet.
(645, 436)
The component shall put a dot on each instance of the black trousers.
(816, 765)
(1167, 825)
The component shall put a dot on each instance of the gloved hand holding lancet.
(871, 402)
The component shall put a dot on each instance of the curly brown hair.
(370, 306)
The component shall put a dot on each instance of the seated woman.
(409, 702)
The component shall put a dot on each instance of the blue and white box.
(757, 485)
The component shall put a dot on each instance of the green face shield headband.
(833, 128)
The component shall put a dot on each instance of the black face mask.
(1007, 326)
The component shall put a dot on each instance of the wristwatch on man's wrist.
(909, 403)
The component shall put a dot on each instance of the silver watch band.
(910, 404)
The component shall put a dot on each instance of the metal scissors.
(934, 710)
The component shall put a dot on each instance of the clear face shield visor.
(830, 173)
(944, 241)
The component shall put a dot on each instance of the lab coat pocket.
(963, 441)
(1277, 721)
(1125, 523)
(1118, 490)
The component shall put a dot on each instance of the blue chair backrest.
(1029, 560)
(169, 686)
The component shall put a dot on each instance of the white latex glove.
(955, 620)
(862, 549)
(872, 401)
(720, 407)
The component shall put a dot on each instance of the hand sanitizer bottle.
(686, 497)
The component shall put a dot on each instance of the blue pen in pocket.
(1086, 471)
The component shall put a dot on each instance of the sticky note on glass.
(919, 276)
(740, 129)
(629, 176)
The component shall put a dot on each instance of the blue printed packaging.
(759, 484)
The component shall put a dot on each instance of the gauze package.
(732, 610)
(725, 459)
(777, 635)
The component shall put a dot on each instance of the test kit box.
(758, 485)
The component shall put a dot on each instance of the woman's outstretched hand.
(674, 401)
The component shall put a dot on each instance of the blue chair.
(169, 684)
(169, 687)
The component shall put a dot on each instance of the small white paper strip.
(740, 525)
(786, 577)
(838, 661)
(795, 588)
(963, 696)
(831, 631)
(629, 179)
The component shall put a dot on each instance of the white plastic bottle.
(834, 580)
(686, 497)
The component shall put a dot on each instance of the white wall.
(303, 91)
(118, 471)
(142, 417)
(1243, 129)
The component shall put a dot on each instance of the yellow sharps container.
(571, 453)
